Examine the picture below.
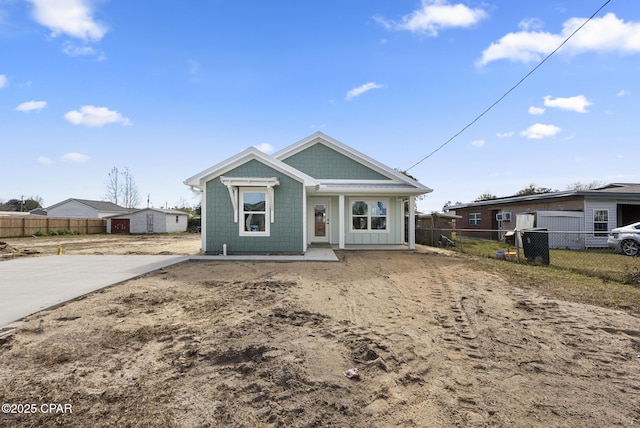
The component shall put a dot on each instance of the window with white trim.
(474, 219)
(600, 222)
(252, 201)
(254, 212)
(369, 215)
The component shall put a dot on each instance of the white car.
(626, 239)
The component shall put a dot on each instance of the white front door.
(319, 220)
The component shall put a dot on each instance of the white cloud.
(505, 134)
(71, 17)
(579, 103)
(4, 81)
(356, 92)
(606, 34)
(93, 116)
(478, 143)
(43, 160)
(539, 131)
(74, 158)
(536, 110)
(73, 50)
(265, 148)
(529, 24)
(435, 15)
(623, 93)
(31, 105)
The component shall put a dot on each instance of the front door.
(320, 221)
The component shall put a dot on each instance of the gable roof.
(321, 138)
(96, 205)
(158, 210)
(397, 182)
(198, 181)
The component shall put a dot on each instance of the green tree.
(22, 204)
(486, 197)
(533, 190)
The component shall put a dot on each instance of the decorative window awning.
(233, 183)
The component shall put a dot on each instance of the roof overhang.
(199, 180)
(379, 187)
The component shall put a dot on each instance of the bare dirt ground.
(178, 244)
(238, 344)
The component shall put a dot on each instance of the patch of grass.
(604, 264)
(566, 285)
(632, 276)
(595, 276)
(63, 232)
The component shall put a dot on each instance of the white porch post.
(305, 233)
(203, 220)
(412, 223)
(341, 222)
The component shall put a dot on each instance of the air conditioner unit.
(503, 216)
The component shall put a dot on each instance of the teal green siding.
(322, 162)
(286, 235)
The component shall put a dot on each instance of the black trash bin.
(535, 243)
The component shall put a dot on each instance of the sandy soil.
(179, 244)
(237, 344)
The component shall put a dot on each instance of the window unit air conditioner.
(503, 216)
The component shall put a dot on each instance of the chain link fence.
(540, 247)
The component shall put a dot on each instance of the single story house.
(148, 220)
(317, 190)
(84, 208)
(586, 216)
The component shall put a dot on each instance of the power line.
(510, 90)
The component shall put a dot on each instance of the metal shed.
(149, 220)
(566, 228)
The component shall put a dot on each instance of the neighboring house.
(38, 211)
(83, 208)
(317, 190)
(586, 215)
(148, 220)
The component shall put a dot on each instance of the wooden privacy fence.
(14, 227)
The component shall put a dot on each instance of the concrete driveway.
(31, 284)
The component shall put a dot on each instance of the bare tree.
(585, 186)
(113, 186)
(122, 189)
(130, 194)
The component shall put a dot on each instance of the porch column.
(305, 233)
(203, 220)
(341, 222)
(412, 223)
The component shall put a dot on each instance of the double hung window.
(600, 222)
(474, 219)
(369, 215)
(254, 213)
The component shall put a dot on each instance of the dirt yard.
(238, 344)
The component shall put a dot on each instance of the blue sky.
(168, 89)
